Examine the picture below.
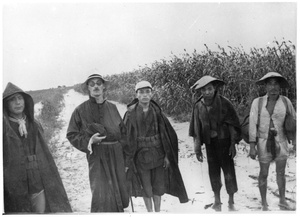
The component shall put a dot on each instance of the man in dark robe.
(153, 151)
(215, 123)
(97, 129)
(32, 183)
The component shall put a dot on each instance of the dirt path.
(73, 168)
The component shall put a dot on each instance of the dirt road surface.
(73, 168)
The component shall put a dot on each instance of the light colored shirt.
(277, 117)
(261, 131)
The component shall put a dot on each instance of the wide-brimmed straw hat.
(283, 82)
(206, 80)
(84, 85)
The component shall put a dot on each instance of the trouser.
(218, 158)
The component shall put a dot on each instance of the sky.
(52, 44)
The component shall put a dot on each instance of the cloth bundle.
(95, 128)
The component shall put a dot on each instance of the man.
(32, 183)
(96, 128)
(215, 123)
(269, 139)
(153, 154)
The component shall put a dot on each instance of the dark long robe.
(173, 180)
(106, 163)
(16, 195)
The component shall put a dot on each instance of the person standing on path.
(32, 183)
(215, 123)
(153, 151)
(269, 138)
(97, 129)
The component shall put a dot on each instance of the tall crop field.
(173, 78)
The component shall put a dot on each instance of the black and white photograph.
(133, 107)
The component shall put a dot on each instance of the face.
(16, 104)
(273, 87)
(208, 91)
(144, 95)
(96, 87)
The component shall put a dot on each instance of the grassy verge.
(52, 104)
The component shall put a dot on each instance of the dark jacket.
(173, 181)
(223, 113)
(90, 112)
(16, 197)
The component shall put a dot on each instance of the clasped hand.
(95, 139)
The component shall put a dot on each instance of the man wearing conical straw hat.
(215, 123)
(269, 138)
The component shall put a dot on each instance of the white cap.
(142, 84)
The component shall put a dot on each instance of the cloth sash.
(22, 125)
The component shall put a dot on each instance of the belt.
(147, 142)
(32, 162)
(31, 158)
(109, 143)
(148, 139)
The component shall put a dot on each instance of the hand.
(126, 169)
(232, 151)
(199, 156)
(253, 151)
(166, 163)
(95, 139)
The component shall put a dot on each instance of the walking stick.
(139, 181)
(131, 204)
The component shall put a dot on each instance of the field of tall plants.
(173, 78)
(52, 104)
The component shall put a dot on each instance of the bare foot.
(265, 207)
(285, 206)
(231, 207)
(217, 207)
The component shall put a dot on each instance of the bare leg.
(148, 203)
(38, 202)
(262, 184)
(217, 197)
(231, 201)
(157, 202)
(280, 177)
(217, 204)
(231, 206)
